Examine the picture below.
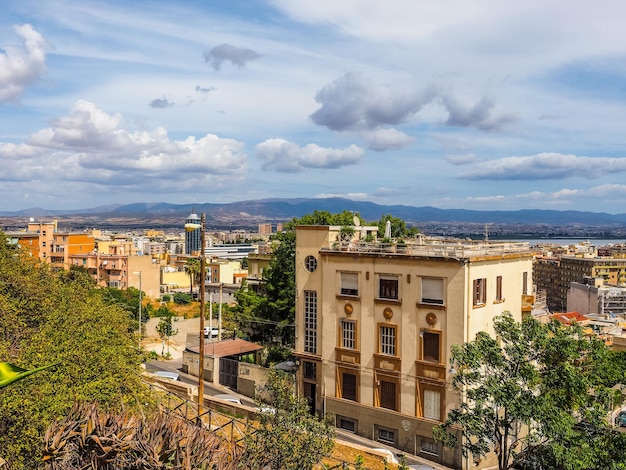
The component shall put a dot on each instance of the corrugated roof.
(227, 347)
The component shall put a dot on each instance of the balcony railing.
(441, 249)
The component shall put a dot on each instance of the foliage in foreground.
(535, 398)
(288, 436)
(89, 438)
(52, 318)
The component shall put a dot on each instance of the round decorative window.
(310, 263)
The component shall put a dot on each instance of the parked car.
(166, 374)
(621, 419)
(226, 397)
(212, 332)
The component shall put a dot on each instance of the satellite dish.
(356, 220)
(32, 219)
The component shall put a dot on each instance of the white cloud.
(353, 102)
(92, 145)
(461, 159)
(21, 66)
(284, 156)
(546, 166)
(351, 196)
(387, 139)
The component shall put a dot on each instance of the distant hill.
(250, 213)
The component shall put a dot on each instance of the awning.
(227, 347)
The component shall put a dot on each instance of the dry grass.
(345, 453)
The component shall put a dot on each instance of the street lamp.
(139, 274)
(190, 227)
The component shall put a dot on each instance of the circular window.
(310, 263)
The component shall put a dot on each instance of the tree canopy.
(51, 318)
(534, 396)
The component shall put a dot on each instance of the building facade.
(193, 238)
(554, 275)
(374, 326)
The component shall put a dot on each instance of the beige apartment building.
(374, 326)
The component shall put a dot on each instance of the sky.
(473, 104)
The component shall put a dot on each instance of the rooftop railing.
(442, 249)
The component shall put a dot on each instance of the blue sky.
(479, 104)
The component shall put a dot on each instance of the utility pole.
(201, 348)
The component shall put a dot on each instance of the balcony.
(431, 370)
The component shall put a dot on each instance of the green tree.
(46, 319)
(127, 299)
(288, 436)
(192, 269)
(246, 313)
(398, 227)
(165, 329)
(533, 397)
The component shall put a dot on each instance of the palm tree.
(192, 268)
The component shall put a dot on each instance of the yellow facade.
(374, 326)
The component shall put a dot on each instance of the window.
(310, 321)
(346, 423)
(388, 287)
(480, 291)
(348, 334)
(432, 404)
(499, 297)
(310, 263)
(349, 284)
(387, 340)
(348, 386)
(432, 291)
(525, 283)
(387, 395)
(310, 370)
(428, 446)
(431, 349)
(387, 436)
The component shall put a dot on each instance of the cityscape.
(286, 235)
(418, 294)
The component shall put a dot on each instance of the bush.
(276, 354)
(166, 297)
(182, 299)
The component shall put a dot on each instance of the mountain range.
(248, 214)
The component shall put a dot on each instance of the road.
(210, 388)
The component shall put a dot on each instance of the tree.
(48, 319)
(398, 227)
(192, 269)
(246, 310)
(288, 436)
(127, 299)
(164, 328)
(533, 397)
